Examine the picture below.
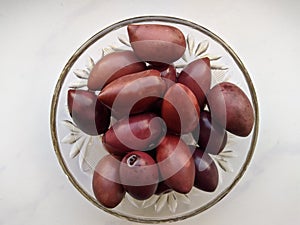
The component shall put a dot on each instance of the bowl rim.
(95, 38)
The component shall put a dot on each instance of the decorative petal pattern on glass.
(211, 57)
(201, 48)
(190, 44)
(80, 143)
(115, 48)
(183, 198)
(84, 166)
(106, 51)
(71, 138)
(227, 154)
(150, 202)
(76, 147)
(218, 67)
(161, 202)
(78, 84)
(71, 126)
(90, 64)
(124, 40)
(132, 200)
(223, 163)
(195, 51)
(172, 202)
(81, 74)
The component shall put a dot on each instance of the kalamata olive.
(176, 164)
(162, 188)
(90, 115)
(106, 182)
(197, 77)
(207, 176)
(113, 66)
(180, 109)
(133, 93)
(139, 175)
(156, 43)
(138, 132)
(212, 137)
(230, 106)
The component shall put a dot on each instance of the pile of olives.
(152, 106)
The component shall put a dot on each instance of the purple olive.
(106, 182)
(197, 77)
(113, 66)
(162, 188)
(133, 93)
(90, 115)
(156, 43)
(176, 164)
(212, 137)
(230, 106)
(180, 109)
(207, 176)
(138, 132)
(139, 175)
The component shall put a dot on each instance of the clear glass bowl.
(76, 151)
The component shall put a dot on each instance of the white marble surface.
(38, 37)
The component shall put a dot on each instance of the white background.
(38, 37)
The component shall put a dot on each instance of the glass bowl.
(76, 151)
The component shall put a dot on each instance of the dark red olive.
(207, 176)
(106, 182)
(133, 93)
(180, 109)
(113, 66)
(176, 164)
(230, 106)
(139, 175)
(156, 42)
(138, 132)
(162, 188)
(90, 115)
(212, 137)
(197, 77)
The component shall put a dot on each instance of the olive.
(162, 188)
(139, 175)
(212, 137)
(156, 43)
(176, 164)
(180, 109)
(197, 77)
(207, 176)
(106, 182)
(138, 132)
(113, 66)
(230, 106)
(134, 93)
(90, 115)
